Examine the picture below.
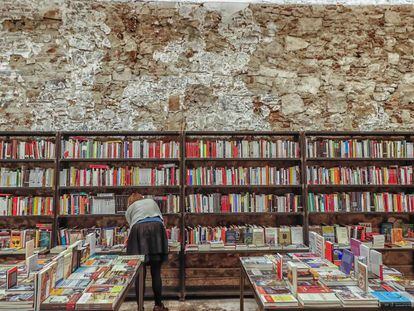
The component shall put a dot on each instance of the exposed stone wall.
(124, 65)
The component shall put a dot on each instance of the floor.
(197, 305)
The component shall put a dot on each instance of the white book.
(296, 235)
(375, 263)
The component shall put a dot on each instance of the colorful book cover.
(329, 248)
(271, 236)
(393, 299)
(396, 236)
(285, 236)
(342, 235)
(279, 266)
(292, 277)
(362, 276)
(11, 277)
(347, 261)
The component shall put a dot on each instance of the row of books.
(166, 175)
(109, 203)
(103, 175)
(25, 177)
(107, 237)
(364, 231)
(361, 202)
(19, 205)
(16, 239)
(242, 149)
(27, 149)
(359, 148)
(242, 203)
(371, 175)
(248, 234)
(243, 176)
(86, 148)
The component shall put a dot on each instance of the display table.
(245, 278)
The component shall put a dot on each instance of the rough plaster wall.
(67, 64)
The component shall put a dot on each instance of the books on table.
(353, 296)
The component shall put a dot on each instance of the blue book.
(347, 261)
(391, 299)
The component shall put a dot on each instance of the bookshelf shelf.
(322, 159)
(294, 160)
(243, 187)
(249, 250)
(115, 188)
(18, 161)
(358, 187)
(362, 213)
(246, 213)
(42, 191)
(111, 160)
(27, 216)
(109, 215)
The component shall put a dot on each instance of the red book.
(157, 150)
(329, 248)
(167, 151)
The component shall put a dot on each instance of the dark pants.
(150, 239)
(155, 267)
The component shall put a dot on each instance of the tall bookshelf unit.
(215, 271)
(15, 162)
(171, 272)
(403, 259)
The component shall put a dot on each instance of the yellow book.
(35, 206)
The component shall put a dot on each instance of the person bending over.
(147, 237)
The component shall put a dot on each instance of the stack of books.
(272, 292)
(353, 296)
(239, 176)
(242, 203)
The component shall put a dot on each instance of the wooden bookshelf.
(198, 263)
(29, 221)
(204, 272)
(171, 272)
(397, 257)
